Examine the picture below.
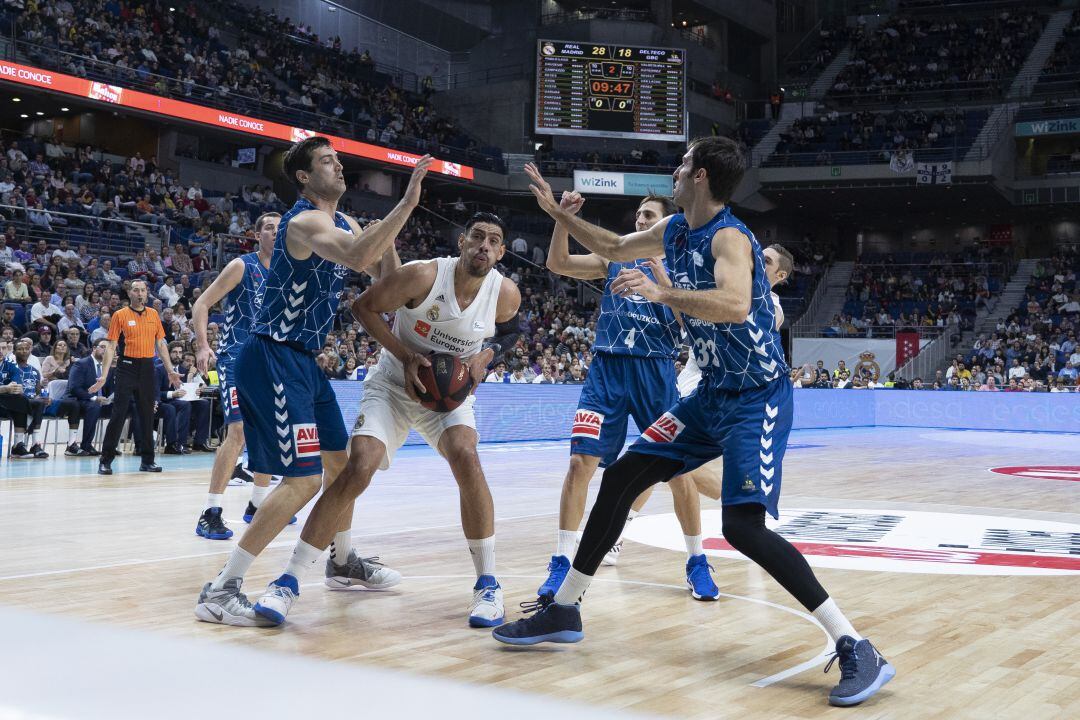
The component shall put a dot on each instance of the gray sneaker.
(360, 572)
(863, 671)
(228, 606)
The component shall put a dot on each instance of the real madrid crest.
(866, 360)
(433, 313)
(359, 422)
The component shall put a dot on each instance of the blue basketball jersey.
(299, 299)
(732, 356)
(240, 306)
(633, 325)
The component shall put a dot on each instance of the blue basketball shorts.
(749, 428)
(619, 387)
(290, 412)
(230, 400)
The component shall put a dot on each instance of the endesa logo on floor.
(1041, 472)
(897, 540)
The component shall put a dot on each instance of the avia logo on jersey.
(306, 439)
(422, 328)
(897, 540)
(665, 429)
(587, 423)
(234, 401)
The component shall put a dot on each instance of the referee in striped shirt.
(138, 332)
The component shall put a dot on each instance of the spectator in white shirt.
(497, 375)
(1017, 370)
(64, 252)
(519, 246)
(44, 311)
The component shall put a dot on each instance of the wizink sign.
(614, 183)
(1062, 126)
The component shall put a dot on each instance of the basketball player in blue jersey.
(235, 288)
(293, 424)
(633, 374)
(742, 408)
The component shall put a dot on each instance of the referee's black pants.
(134, 379)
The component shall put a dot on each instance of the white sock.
(73, 436)
(693, 545)
(20, 437)
(573, 588)
(213, 500)
(339, 549)
(482, 552)
(829, 615)
(304, 558)
(566, 543)
(258, 494)
(236, 567)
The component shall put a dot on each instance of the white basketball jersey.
(690, 376)
(438, 325)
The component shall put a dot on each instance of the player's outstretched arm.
(559, 259)
(408, 284)
(355, 250)
(229, 278)
(728, 302)
(620, 248)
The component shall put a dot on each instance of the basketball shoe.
(699, 578)
(360, 572)
(487, 603)
(211, 526)
(228, 606)
(611, 558)
(278, 599)
(249, 514)
(557, 569)
(863, 671)
(549, 622)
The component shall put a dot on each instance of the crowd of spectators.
(911, 54)
(242, 58)
(831, 39)
(878, 137)
(1063, 65)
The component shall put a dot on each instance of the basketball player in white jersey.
(445, 305)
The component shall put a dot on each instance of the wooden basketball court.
(990, 630)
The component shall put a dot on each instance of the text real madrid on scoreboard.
(603, 90)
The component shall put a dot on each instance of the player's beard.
(472, 268)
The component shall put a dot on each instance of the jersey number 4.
(705, 353)
(630, 340)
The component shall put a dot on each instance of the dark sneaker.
(72, 450)
(550, 622)
(19, 452)
(249, 514)
(211, 526)
(38, 452)
(360, 572)
(863, 671)
(88, 451)
(699, 578)
(557, 569)
(104, 468)
(149, 467)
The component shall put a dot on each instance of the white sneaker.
(360, 572)
(278, 599)
(612, 557)
(487, 603)
(228, 606)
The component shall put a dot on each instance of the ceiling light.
(64, 109)
(16, 99)
(24, 115)
(39, 113)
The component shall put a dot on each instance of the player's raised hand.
(412, 364)
(545, 198)
(659, 272)
(412, 192)
(571, 202)
(634, 282)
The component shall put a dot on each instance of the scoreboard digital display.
(618, 91)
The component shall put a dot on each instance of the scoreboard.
(618, 91)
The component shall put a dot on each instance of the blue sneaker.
(551, 622)
(487, 603)
(557, 569)
(278, 599)
(249, 514)
(699, 578)
(863, 671)
(211, 526)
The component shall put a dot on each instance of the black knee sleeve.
(744, 529)
(623, 481)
